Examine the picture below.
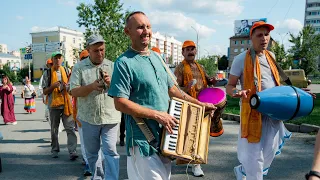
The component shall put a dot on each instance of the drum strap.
(283, 76)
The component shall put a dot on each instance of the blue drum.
(283, 102)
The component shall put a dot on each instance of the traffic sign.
(28, 56)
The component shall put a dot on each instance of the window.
(235, 42)
(74, 40)
(64, 38)
(248, 41)
(235, 50)
(46, 39)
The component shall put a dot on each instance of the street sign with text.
(28, 56)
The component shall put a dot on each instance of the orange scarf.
(75, 111)
(188, 76)
(60, 98)
(251, 121)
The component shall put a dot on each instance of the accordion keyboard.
(170, 140)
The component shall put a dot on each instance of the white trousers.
(256, 158)
(153, 167)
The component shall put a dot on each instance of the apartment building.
(169, 47)
(69, 42)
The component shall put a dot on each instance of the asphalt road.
(25, 153)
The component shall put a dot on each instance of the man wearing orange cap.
(260, 137)
(192, 78)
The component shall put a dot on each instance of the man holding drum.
(260, 137)
(141, 88)
(192, 78)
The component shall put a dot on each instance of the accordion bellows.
(190, 140)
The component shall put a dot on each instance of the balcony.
(312, 1)
(314, 8)
(309, 17)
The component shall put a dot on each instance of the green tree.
(209, 65)
(282, 57)
(223, 63)
(24, 72)
(170, 60)
(106, 17)
(306, 48)
(6, 71)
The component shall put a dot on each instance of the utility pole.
(197, 42)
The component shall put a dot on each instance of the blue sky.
(214, 19)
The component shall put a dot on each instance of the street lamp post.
(197, 41)
(283, 36)
(207, 52)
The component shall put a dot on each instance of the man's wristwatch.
(312, 173)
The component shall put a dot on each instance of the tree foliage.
(223, 63)
(209, 65)
(306, 48)
(106, 17)
(282, 57)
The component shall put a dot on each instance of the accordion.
(190, 139)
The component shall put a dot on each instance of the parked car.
(297, 78)
(222, 82)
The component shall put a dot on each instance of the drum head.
(212, 95)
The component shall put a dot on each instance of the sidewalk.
(25, 153)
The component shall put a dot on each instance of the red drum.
(217, 97)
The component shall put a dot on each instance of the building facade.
(312, 14)
(169, 47)
(69, 42)
(14, 62)
(3, 48)
(239, 44)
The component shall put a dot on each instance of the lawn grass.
(313, 118)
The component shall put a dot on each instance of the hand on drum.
(241, 93)
(166, 120)
(308, 91)
(210, 107)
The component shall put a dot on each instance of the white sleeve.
(237, 66)
(40, 82)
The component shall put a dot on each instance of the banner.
(14, 66)
(242, 27)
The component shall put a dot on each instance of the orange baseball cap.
(155, 49)
(260, 24)
(84, 54)
(49, 61)
(188, 43)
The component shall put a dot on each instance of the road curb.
(303, 128)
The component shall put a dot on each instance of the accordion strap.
(146, 132)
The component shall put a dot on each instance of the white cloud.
(19, 17)
(289, 25)
(68, 2)
(282, 30)
(228, 22)
(178, 24)
(229, 8)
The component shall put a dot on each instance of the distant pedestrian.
(29, 94)
(7, 104)
(45, 97)
(14, 92)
